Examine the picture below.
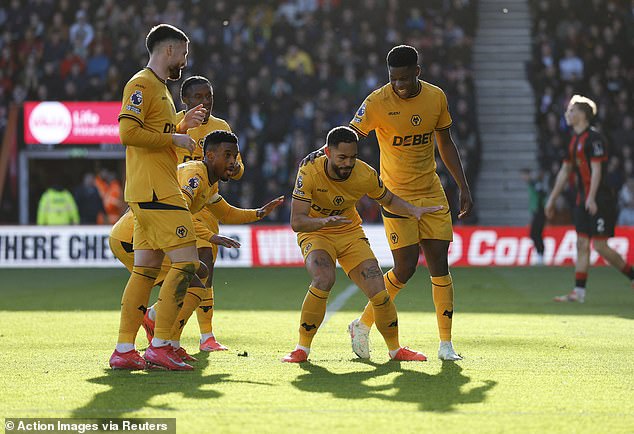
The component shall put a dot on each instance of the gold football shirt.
(405, 132)
(328, 196)
(150, 167)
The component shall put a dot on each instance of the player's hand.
(221, 240)
(549, 209)
(591, 206)
(183, 141)
(466, 203)
(310, 158)
(269, 207)
(335, 220)
(236, 169)
(193, 118)
(418, 211)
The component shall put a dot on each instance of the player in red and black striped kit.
(595, 211)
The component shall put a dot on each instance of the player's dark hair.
(402, 55)
(215, 138)
(193, 81)
(341, 134)
(163, 32)
(586, 109)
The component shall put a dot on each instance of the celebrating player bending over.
(199, 184)
(408, 116)
(329, 229)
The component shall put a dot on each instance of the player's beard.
(342, 172)
(174, 72)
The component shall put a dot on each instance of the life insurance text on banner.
(87, 246)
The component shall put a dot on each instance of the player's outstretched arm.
(221, 240)
(451, 158)
(269, 207)
(229, 214)
(560, 183)
(302, 222)
(396, 205)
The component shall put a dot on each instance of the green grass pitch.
(530, 365)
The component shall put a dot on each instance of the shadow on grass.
(130, 392)
(441, 392)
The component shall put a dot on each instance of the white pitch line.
(338, 302)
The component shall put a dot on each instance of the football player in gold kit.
(194, 91)
(162, 222)
(199, 184)
(407, 114)
(329, 229)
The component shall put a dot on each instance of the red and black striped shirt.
(583, 149)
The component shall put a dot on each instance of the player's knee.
(601, 247)
(404, 272)
(324, 281)
(583, 243)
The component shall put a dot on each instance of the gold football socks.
(442, 292)
(170, 300)
(313, 312)
(134, 302)
(393, 286)
(386, 318)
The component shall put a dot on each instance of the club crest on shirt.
(193, 182)
(137, 97)
(338, 200)
(597, 149)
(307, 248)
(181, 232)
(416, 119)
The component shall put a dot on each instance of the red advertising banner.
(85, 123)
(472, 246)
(276, 246)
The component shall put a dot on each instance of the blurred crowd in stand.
(284, 72)
(585, 47)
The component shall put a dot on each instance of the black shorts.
(600, 225)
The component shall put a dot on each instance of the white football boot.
(360, 339)
(446, 352)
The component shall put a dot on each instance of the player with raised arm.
(194, 91)
(595, 211)
(329, 229)
(162, 223)
(199, 183)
